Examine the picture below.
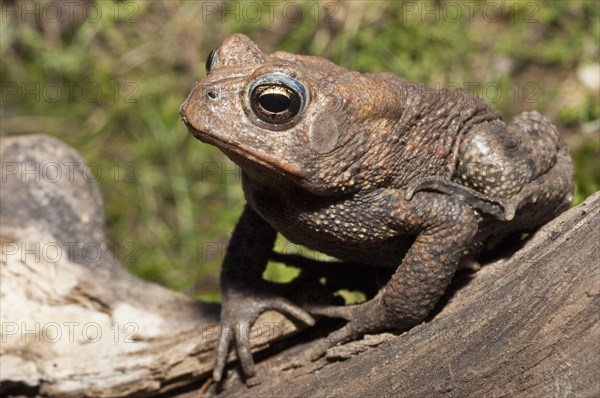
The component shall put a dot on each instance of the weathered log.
(75, 322)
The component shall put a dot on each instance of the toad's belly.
(351, 229)
(387, 253)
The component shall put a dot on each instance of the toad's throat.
(245, 157)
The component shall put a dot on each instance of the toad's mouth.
(245, 157)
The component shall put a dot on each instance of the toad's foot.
(368, 317)
(238, 313)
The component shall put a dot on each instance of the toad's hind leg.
(522, 164)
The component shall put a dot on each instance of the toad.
(369, 169)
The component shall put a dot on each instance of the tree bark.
(75, 323)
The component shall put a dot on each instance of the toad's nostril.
(212, 94)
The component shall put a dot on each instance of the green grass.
(171, 201)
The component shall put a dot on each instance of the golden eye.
(276, 99)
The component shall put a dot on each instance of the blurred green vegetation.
(108, 78)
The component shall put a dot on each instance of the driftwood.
(76, 323)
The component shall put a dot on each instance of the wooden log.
(75, 322)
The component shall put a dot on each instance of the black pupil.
(275, 103)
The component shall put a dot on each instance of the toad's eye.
(211, 60)
(276, 99)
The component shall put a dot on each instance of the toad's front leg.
(444, 227)
(245, 294)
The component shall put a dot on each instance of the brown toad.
(368, 168)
